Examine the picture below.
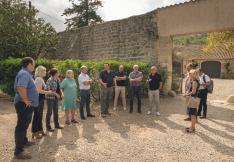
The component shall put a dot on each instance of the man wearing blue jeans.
(135, 78)
(84, 84)
(26, 99)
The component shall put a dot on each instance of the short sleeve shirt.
(154, 81)
(203, 79)
(51, 85)
(134, 75)
(121, 82)
(81, 79)
(107, 77)
(24, 79)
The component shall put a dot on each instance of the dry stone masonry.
(146, 37)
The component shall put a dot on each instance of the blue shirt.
(24, 79)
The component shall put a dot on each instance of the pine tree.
(84, 13)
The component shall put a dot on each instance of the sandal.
(189, 130)
(43, 133)
(36, 135)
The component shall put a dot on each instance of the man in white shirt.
(204, 81)
(84, 84)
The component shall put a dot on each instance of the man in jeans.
(84, 84)
(155, 84)
(26, 99)
(106, 79)
(135, 78)
(204, 81)
(120, 83)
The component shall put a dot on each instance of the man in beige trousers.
(120, 87)
(155, 85)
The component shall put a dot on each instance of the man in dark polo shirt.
(106, 79)
(155, 84)
(120, 87)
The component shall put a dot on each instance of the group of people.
(32, 91)
(196, 91)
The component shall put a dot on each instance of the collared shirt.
(134, 75)
(52, 85)
(107, 78)
(154, 81)
(121, 82)
(81, 79)
(24, 79)
(203, 79)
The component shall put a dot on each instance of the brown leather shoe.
(29, 143)
(23, 156)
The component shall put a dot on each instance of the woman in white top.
(37, 129)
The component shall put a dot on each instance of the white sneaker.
(149, 112)
(158, 113)
(114, 108)
(125, 109)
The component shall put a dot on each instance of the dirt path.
(131, 137)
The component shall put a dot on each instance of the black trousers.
(24, 117)
(37, 117)
(203, 102)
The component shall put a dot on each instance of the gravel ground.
(131, 137)
(222, 89)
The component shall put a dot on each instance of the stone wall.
(133, 38)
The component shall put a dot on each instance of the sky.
(51, 10)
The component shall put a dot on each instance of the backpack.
(210, 87)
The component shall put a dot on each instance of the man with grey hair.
(155, 84)
(84, 84)
(135, 78)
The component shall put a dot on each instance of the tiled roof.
(196, 52)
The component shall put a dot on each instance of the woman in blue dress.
(69, 95)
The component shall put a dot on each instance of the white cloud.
(51, 10)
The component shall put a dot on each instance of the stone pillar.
(164, 50)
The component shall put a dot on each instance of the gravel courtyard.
(131, 137)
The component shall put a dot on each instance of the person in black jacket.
(155, 84)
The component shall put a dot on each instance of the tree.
(21, 33)
(85, 13)
(224, 40)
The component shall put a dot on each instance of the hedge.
(10, 67)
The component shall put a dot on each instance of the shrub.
(10, 67)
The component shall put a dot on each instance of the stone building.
(215, 63)
(147, 37)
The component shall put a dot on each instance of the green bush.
(10, 67)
